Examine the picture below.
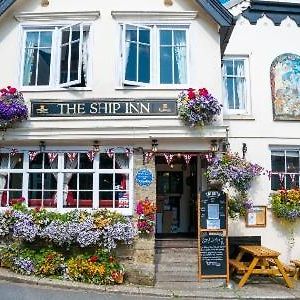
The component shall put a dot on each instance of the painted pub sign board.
(285, 86)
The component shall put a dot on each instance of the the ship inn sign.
(105, 107)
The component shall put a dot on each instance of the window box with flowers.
(237, 174)
(198, 107)
(286, 204)
(12, 107)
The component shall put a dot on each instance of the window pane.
(230, 92)
(275, 183)
(228, 67)
(74, 61)
(76, 33)
(64, 64)
(106, 162)
(239, 68)
(105, 199)
(85, 199)
(35, 181)
(71, 160)
(16, 161)
(30, 62)
(32, 39)
(240, 93)
(166, 37)
(131, 33)
(85, 162)
(65, 36)
(72, 183)
(277, 160)
(37, 163)
(292, 182)
(44, 66)
(122, 161)
(15, 181)
(179, 37)
(50, 182)
(86, 181)
(121, 182)
(144, 63)
(166, 65)
(14, 196)
(46, 39)
(292, 161)
(180, 65)
(144, 36)
(4, 160)
(131, 56)
(105, 181)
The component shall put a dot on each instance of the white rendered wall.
(263, 43)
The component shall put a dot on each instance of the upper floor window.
(56, 56)
(154, 55)
(285, 169)
(235, 85)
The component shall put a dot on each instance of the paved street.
(21, 291)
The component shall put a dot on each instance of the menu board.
(213, 256)
(213, 210)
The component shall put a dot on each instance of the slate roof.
(213, 7)
(276, 11)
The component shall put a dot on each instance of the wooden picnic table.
(265, 262)
(296, 262)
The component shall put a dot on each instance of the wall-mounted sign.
(144, 177)
(105, 107)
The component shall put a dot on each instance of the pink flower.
(203, 92)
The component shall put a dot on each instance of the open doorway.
(177, 184)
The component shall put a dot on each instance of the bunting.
(110, 152)
(187, 158)
(13, 151)
(148, 156)
(91, 154)
(32, 155)
(71, 156)
(52, 156)
(168, 157)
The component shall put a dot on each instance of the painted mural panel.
(285, 85)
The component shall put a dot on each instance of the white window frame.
(60, 170)
(247, 109)
(54, 80)
(155, 28)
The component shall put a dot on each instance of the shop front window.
(67, 180)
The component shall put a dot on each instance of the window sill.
(238, 117)
(49, 89)
(153, 88)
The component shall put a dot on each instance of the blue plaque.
(144, 177)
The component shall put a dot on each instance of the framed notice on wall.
(256, 216)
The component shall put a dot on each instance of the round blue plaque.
(144, 177)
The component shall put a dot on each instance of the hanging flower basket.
(12, 107)
(286, 204)
(198, 107)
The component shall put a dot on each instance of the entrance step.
(176, 260)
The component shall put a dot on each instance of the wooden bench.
(290, 270)
(238, 266)
(296, 262)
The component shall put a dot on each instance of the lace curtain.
(180, 55)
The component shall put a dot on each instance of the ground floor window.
(285, 169)
(68, 179)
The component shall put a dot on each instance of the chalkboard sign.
(213, 254)
(213, 213)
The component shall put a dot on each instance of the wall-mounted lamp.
(225, 142)
(141, 150)
(214, 147)
(44, 3)
(42, 146)
(244, 150)
(96, 146)
(154, 145)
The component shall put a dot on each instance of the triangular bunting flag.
(187, 158)
(32, 155)
(72, 156)
(13, 151)
(148, 156)
(168, 157)
(52, 156)
(110, 152)
(91, 155)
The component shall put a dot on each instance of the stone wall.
(138, 258)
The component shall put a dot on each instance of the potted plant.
(197, 107)
(12, 107)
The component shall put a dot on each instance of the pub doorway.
(177, 184)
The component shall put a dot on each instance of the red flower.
(12, 90)
(203, 92)
(191, 93)
(3, 91)
(93, 258)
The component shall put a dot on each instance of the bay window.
(56, 56)
(65, 180)
(154, 55)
